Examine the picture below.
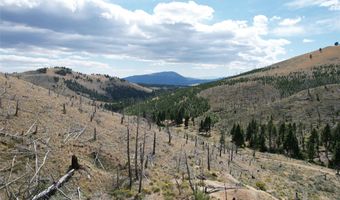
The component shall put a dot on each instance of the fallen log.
(47, 193)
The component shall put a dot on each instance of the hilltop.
(165, 78)
(95, 86)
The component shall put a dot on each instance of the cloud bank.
(92, 33)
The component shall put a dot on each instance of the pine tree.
(336, 136)
(270, 127)
(262, 139)
(326, 138)
(312, 145)
(274, 135)
(291, 144)
(281, 135)
(336, 159)
(238, 137)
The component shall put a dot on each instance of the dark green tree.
(326, 139)
(312, 145)
(281, 135)
(186, 121)
(336, 159)
(291, 144)
(262, 140)
(238, 137)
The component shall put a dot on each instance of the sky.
(203, 38)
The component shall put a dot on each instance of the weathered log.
(47, 193)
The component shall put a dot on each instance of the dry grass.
(282, 177)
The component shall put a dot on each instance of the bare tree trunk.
(136, 150)
(128, 157)
(94, 134)
(154, 143)
(55, 186)
(195, 141)
(64, 109)
(117, 178)
(169, 134)
(141, 166)
(189, 175)
(208, 158)
(16, 108)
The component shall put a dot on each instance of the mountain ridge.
(166, 78)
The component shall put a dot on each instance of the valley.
(154, 149)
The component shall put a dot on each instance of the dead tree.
(94, 134)
(208, 158)
(141, 165)
(154, 143)
(189, 175)
(122, 118)
(16, 108)
(136, 149)
(47, 193)
(128, 157)
(117, 178)
(64, 109)
(91, 117)
(169, 134)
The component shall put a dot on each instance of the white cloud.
(181, 12)
(330, 4)
(290, 21)
(175, 32)
(307, 40)
(287, 31)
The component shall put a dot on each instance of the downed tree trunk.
(46, 194)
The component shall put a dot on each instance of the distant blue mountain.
(165, 78)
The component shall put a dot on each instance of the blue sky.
(206, 38)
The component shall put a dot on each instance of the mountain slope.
(165, 78)
(95, 86)
(42, 136)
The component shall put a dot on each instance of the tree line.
(290, 139)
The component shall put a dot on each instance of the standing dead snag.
(141, 165)
(208, 158)
(154, 143)
(169, 134)
(136, 149)
(64, 109)
(16, 108)
(94, 134)
(189, 175)
(128, 157)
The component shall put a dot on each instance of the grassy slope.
(282, 177)
(97, 83)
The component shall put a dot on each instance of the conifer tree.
(262, 139)
(281, 135)
(336, 159)
(312, 145)
(238, 137)
(270, 126)
(291, 144)
(326, 138)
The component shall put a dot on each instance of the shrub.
(260, 185)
